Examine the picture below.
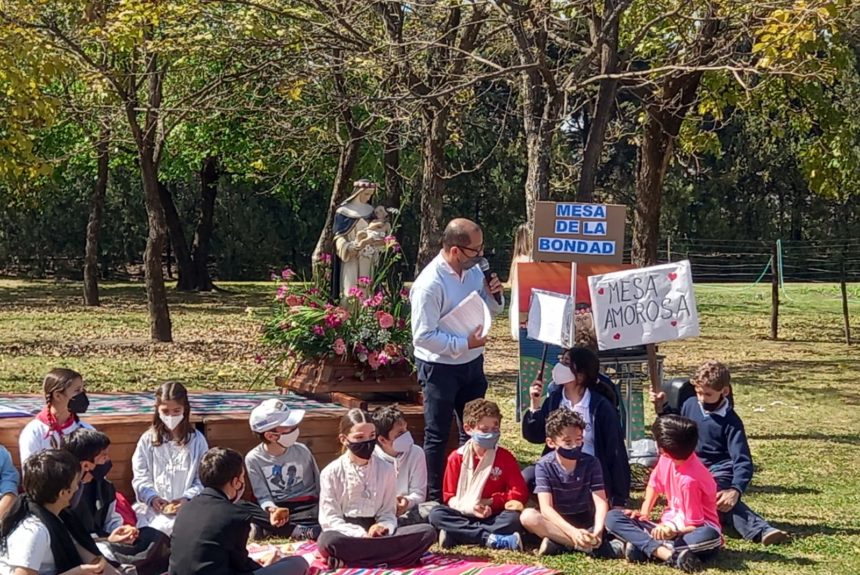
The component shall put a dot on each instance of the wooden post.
(669, 249)
(774, 296)
(844, 289)
(653, 369)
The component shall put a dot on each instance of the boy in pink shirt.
(689, 529)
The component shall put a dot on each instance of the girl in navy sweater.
(579, 389)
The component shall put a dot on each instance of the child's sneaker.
(633, 553)
(774, 536)
(686, 561)
(445, 542)
(549, 547)
(505, 542)
(616, 549)
(306, 532)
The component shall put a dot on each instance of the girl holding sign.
(577, 388)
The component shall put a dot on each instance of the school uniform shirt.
(411, 471)
(210, 536)
(9, 477)
(504, 484)
(37, 437)
(292, 476)
(571, 490)
(583, 409)
(348, 490)
(168, 470)
(28, 547)
(691, 492)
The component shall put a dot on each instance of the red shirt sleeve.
(452, 476)
(515, 486)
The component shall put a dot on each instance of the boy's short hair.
(712, 374)
(86, 444)
(677, 436)
(219, 466)
(477, 409)
(385, 417)
(560, 419)
(47, 473)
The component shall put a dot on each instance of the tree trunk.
(156, 294)
(94, 225)
(342, 180)
(432, 185)
(391, 165)
(654, 153)
(540, 119)
(184, 264)
(209, 174)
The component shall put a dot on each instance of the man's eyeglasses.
(476, 250)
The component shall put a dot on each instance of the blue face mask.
(568, 453)
(486, 440)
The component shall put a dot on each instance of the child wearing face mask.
(724, 449)
(165, 460)
(571, 494)
(483, 488)
(358, 502)
(65, 400)
(395, 445)
(282, 472)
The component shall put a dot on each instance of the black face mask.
(713, 406)
(101, 471)
(79, 403)
(362, 449)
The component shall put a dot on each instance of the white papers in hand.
(551, 318)
(469, 314)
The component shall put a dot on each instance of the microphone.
(485, 267)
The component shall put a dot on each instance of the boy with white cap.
(283, 473)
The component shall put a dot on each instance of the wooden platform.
(318, 431)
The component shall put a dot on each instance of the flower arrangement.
(370, 327)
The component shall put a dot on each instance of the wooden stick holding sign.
(644, 306)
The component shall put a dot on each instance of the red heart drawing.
(672, 276)
(600, 291)
(616, 336)
(674, 323)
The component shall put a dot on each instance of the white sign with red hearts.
(645, 305)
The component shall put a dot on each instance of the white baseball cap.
(274, 413)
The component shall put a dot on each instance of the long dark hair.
(584, 361)
(172, 391)
(46, 474)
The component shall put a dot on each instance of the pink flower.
(374, 301)
(364, 281)
(339, 346)
(392, 243)
(359, 349)
(404, 293)
(373, 360)
(391, 350)
(333, 321)
(385, 319)
(318, 330)
(282, 293)
(355, 292)
(274, 277)
(288, 274)
(401, 324)
(293, 300)
(325, 259)
(383, 358)
(313, 291)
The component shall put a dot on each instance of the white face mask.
(403, 443)
(562, 374)
(171, 421)
(288, 439)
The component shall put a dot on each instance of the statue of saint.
(359, 235)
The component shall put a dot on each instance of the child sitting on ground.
(689, 529)
(395, 445)
(95, 510)
(33, 539)
(483, 487)
(210, 536)
(165, 460)
(569, 486)
(8, 482)
(724, 449)
(358, 499)
(65, 400)
(283, 473)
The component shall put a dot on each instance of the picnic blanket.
(202, 403)
(431, 564)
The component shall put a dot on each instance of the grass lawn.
(799, 396)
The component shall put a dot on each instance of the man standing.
(450, 367)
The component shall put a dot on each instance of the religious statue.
(359, 235)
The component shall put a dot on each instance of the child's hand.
(658, 399)
(402, 505)
(123, 534)
(635, 514)
(514, 505)
(377, 530)
(536, 393)
(278, 516)
(483, 511)
(158, 504)
(580, 537)
(664, 532)
(727, 499)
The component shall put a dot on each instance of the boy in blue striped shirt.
(571, 494)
